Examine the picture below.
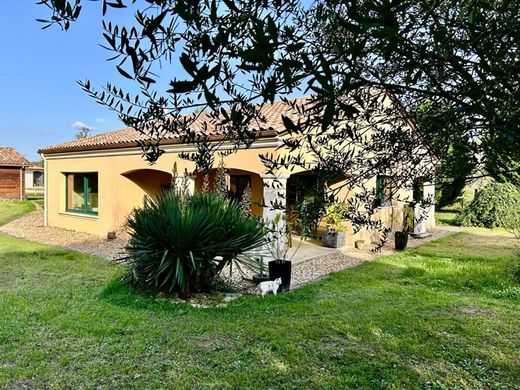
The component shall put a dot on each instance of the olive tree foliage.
(351, 57)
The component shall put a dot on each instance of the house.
(34, 179)
(12, 173)
(92, 184)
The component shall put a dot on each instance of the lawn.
(444, 315)
(13, 209)
(36, 198)
(447, 218)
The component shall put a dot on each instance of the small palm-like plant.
(181, 242)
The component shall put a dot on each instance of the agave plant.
(181, 242)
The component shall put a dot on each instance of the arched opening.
(306, 196)
(304, 199)
(151, 181)
(237, 181)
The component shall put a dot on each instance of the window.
(82, 192)
(238, 183)
(37, 179)
(384, 191)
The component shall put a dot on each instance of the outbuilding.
(12, 173)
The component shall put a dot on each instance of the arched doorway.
(237, 180)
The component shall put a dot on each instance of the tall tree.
(84, 132)
(460, 53)
(445, 132)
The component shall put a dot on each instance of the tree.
(464, 53)
(444, 131)
(84, 132)
(349, 55)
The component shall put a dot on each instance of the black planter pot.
(333, 239)
(281, 269)
(401, 240)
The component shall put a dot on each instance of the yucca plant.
(181, 242)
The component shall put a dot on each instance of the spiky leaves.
(181, 244)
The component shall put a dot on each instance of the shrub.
(181, 242)
(335, 215)
(491, 206)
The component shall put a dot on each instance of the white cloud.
(100, 120)
(80, 125)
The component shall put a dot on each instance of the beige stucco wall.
(124, 178)
(390, 216)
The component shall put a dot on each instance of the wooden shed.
(12, 177)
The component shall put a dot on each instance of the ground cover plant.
(443, 315)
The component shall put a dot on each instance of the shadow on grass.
(123, 294)
(364, 281)
(120, 293)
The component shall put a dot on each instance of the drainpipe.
(22, 173)
(45, 184)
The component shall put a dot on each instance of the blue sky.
(39, 98)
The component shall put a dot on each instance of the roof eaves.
(133, 144)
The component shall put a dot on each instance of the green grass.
(447, 218)
(10, 210)
(445, 315)
(36, 198)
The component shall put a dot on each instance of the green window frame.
(81, 193)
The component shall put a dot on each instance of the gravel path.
(30, 227)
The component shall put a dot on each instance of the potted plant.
(279, 244)
(401, 236)
(334, 236)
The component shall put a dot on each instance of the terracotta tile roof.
(9, 156)
(128, 137)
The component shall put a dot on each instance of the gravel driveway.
(30, 227)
